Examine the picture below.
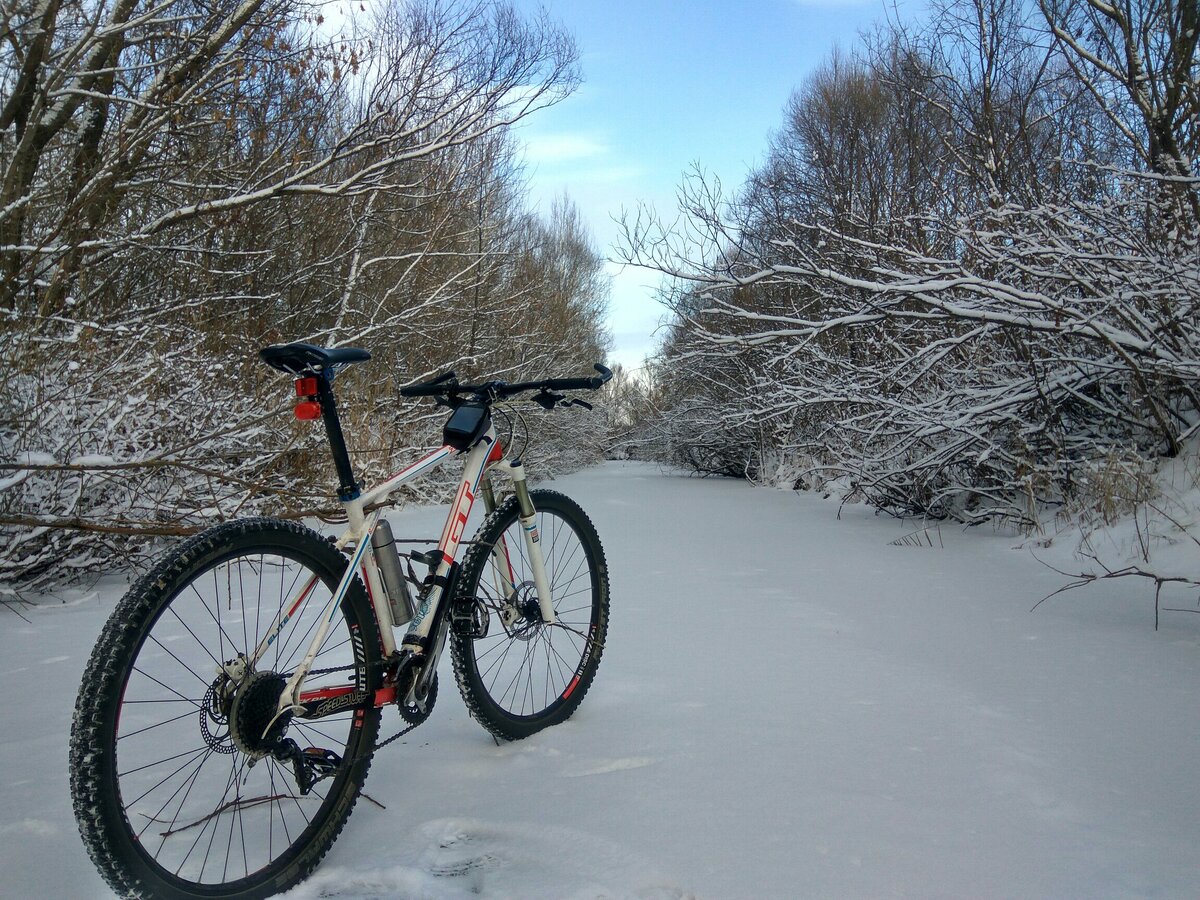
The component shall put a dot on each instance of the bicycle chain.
(395, 737)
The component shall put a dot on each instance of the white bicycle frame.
(484, 457)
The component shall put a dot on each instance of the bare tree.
(1139, 60)
(975, 354)
(234, 180)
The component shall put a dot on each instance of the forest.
(964, 283)
(186, 182)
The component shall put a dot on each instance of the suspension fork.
(504, 579)
(489, 494)
(533, 542)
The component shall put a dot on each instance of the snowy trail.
(788, 706)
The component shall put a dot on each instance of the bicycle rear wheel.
(175, 790)
(518, 674)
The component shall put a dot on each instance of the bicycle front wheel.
(176, 790)
(517, 673)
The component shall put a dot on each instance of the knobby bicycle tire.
(168, 800)
(518, 675)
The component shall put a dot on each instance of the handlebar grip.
(580, 384)
(605, 375)
(434, 388)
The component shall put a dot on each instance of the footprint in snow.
(515, 860)
(460, 854)
(458, 859)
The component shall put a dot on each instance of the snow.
(788, 705)
(35, 458)
(26, 458)
(94, 459)
(14, 479)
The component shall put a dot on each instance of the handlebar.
(431, 388)
(579, 384)
(447, 385)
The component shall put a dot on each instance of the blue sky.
(668, 85)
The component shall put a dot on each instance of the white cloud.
(562, 148)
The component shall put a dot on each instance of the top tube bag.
(466, 426)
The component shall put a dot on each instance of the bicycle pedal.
(469, 618)
(324, 762)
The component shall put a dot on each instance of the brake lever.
(575, 401)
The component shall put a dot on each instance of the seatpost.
(347, 486)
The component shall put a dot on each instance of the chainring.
(413, 714)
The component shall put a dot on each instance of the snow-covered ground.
(789, 706)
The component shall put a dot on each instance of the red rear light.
(308, 409)
(306, 387)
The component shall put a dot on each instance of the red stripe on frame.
(304, 593)
(423, 460)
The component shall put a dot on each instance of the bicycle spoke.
(306, 727)
(223, 637)
(188, 780)
(174, 612)
(167, 778)
(168, 687)
(193, 702)
(186, 715)
(204, 681)
(212, 820)
(242, 598)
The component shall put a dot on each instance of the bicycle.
(186, 773)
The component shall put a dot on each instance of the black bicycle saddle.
(309, 359)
